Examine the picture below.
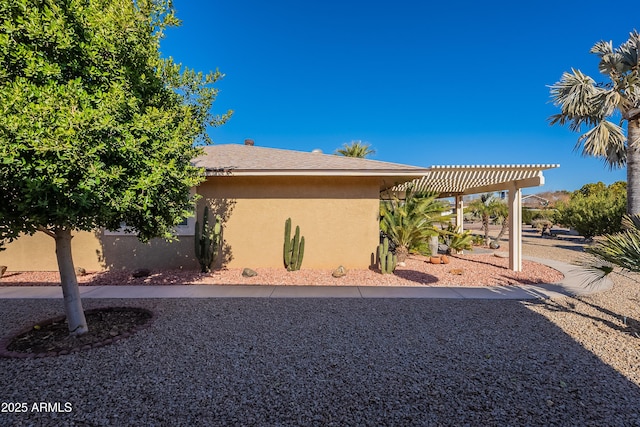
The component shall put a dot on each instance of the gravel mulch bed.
(463, 270)
(334, 362)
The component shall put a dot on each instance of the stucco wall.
(337, 216)
(38, 253)
(94, 251)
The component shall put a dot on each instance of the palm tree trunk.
(633, 166)
(72, 303)
(485, 225)
(505, 227)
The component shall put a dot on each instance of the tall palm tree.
(583, 101)
(486, 206)
(356, 149)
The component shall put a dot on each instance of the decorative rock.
(247, 272)
(3, 268)
(456, 271)
(501, 254)
(141, 272)
(81, 271)
(339, 272)
(494, 245)
(445, 259)
(401, 264)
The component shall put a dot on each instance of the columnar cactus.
(387, 259)
(208, 241)
(293, 250)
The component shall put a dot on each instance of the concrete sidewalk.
(575, 282)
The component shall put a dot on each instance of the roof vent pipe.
(317, 151)
(248, 142)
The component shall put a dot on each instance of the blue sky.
(425, 84)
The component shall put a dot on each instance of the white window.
(185, 228)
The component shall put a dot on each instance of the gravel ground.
(567, 361)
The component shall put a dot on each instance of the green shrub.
(594, 210)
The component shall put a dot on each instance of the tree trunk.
(69, 281)
(505, 227)
(485, 226)
(633, 167)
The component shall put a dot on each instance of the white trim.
(188, 229)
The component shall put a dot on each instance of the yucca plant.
(620, 250)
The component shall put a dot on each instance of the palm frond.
(621, 249)
(631, 221)
(578, 98)
(606, 140)
(602, 48)
(629, 51)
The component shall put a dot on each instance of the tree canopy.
(97, 129)
(356, 149)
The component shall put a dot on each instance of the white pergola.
(461, 180)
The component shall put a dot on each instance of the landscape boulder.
(247, 272)
(339, 272)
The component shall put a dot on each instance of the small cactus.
(293, 250)
(387, 259)
(208, 241)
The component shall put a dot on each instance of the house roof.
(247, 160)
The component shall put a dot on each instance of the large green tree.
(586, 103)
(96, 129)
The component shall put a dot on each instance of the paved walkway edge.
(576, 282)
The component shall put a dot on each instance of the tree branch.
(632, 114)
(47, 231)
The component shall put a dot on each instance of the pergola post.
(459, 214)
(515, 227)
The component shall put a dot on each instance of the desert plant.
(208, 240)
(457, 241)
(485, 207)
(293, 250)
(409, 221)
(620, 249)
(541, 224)
(386, 259)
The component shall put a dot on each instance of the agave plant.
(409, 221)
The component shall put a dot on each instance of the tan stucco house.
(334, 200)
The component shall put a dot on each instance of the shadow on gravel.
(318, 362)
(629, 325)
(416, 276)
